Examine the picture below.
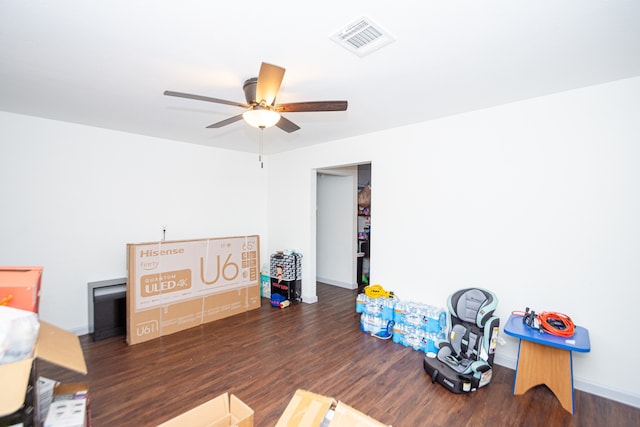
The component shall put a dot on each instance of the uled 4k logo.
(162, 283)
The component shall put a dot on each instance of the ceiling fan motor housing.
(249, 88)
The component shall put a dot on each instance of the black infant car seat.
(464, 362)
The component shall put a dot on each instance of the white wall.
(336, 223)
(73, 196)
(538, 201)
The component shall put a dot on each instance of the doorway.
(342, 229)
(364, 224)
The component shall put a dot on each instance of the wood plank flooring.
(264, 355)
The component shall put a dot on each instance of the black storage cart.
(286, 275)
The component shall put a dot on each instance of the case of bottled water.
(380, 306)
(416, 325)
(422, 316)
(419, 326)
(376, 325)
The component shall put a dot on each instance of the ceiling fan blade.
(287, 125)
(226, 122)
(204, 98)
(269, 81)
(294, 107)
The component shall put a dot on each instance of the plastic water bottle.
(388, 308)
(361, 301)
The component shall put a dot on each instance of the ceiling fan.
(261, 108)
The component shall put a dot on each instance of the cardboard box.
(173, 286)
(67, 413)
(26, 414)
(45, 389)
(223, 411)
(20, 287)
(69, 406)
(54, 345)
(306, 409)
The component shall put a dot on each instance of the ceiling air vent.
(362, 37)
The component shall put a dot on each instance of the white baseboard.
(607, 392)
(84, 330)
(309, 299)
(583, 385)
(507, 362)
(338, 283)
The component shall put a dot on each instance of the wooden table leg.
(541, 364)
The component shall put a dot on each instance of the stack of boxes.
(416, 325)
(20, 293)
(23, 338)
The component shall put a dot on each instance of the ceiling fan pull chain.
(261, 147)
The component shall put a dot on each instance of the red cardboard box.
(20, 287)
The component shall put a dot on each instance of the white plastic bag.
(18, 334)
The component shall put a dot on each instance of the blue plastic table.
(544, 358)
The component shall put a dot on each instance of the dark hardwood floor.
(264, 355)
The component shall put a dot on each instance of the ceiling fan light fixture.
(261, 110)
(261, 117)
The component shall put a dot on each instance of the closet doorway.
(342, 226)
(364, 224)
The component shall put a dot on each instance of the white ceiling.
(106, 63)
